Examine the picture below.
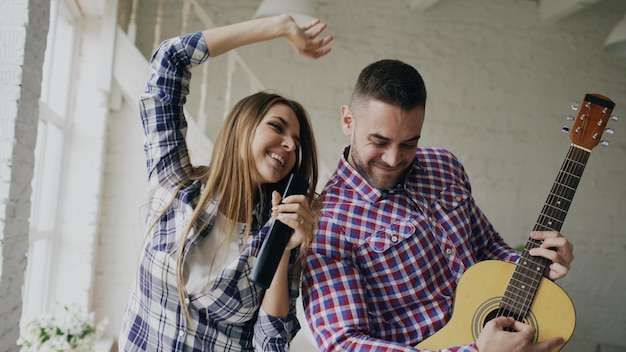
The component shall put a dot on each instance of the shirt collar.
(356, 182)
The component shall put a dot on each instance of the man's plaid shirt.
(228, 316)
(382, 270)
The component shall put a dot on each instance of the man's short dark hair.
(393, 82)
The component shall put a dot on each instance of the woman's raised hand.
(308, 40)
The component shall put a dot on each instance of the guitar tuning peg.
(570, 118)
(610, 130)
(604, 143)
(575, 106)
(565, 129)
(614, 117)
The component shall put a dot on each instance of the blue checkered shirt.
(227, 317)
(381, 273)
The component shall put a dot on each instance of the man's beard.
(382, 182)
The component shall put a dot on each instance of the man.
(399, 227)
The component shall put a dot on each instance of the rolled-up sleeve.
(275, 333)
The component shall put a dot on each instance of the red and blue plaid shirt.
(383, 268)
(227, 317)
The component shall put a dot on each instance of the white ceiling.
(549, 10)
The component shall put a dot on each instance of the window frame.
(49, 194)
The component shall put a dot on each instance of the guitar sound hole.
(491, 309)
(500, 313)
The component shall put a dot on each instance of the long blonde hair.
(230, 177)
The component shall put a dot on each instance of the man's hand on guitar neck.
(555, 248)
(495, 337)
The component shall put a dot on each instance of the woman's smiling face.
(275, 143)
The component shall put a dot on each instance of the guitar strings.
(551, 218)
(553, 212)
(516, 301)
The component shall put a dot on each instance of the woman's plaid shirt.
(382, 270)
(227, 317)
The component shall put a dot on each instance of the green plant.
(67, 330)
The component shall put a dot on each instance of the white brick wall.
(499, 83)
(23, 28)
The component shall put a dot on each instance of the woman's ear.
(346, 120)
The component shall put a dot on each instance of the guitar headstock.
(590, 124)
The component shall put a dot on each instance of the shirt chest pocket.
(452, 197)
(391, 235)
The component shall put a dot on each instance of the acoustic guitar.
(495, 288)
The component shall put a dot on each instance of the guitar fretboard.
(529, 271)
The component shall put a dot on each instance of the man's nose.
(392, 157)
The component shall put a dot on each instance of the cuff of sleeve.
(273, 327)
(196, 48)
(274, 334)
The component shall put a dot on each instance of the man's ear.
(347, 122)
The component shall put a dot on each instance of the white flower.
(70, 330)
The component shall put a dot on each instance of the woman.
(206, 225)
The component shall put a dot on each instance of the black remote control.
(276, 240)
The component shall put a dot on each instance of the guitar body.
(476, 302)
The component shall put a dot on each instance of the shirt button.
(181, 333)
(187, 301)
(394, 238)
(458, 198)
(448, 251)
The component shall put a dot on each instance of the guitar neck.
(562, 192)
(529, 270)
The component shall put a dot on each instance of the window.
(56, 89)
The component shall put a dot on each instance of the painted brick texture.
(500, 83)
(23, 32)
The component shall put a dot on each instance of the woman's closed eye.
(276, 126)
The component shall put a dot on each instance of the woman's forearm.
(223, 39)
(276, 300)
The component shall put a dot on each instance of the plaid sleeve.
(273, 333)
(161, 107)
(487, 242)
